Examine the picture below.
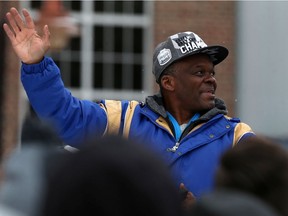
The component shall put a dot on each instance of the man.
(186, 124)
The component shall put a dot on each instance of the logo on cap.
(188, 43)
(164, 56)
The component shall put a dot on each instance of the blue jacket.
(193, 158)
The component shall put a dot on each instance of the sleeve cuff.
(36, 68)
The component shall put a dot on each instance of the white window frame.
(88, 19)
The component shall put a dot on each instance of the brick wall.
(214, 22)
(10, 86)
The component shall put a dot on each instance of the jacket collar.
(155, 103)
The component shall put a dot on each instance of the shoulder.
(120, 103)
(241, 129)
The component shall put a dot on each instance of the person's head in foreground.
(112, 176)
(258, 166)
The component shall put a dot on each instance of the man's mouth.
(211, 91)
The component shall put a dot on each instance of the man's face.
(195, 83)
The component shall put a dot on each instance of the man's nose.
(209, 77)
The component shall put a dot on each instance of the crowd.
(115, 176)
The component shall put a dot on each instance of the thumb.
(46, 38)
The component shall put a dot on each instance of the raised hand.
(28, 45)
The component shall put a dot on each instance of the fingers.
(190, 196)
(46, 32)
(185, 194)
(12, 23)
(19, 21)
(9, 33)
(28, 19)
(16, 22)
(182, 186)
(189, 202)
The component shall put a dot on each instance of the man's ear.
(167, 82)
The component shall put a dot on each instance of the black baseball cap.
(182, 45)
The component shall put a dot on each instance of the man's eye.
(199, 73)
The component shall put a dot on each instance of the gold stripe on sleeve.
(113, 110)
(128, 117)
(240, 130)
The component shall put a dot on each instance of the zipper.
(177, 131)
(177, 144)
(185, 132)
(174, 148)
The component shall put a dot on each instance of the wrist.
(33, 66)
(34, 61)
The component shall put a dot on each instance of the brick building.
(148, 23)
(9, 89)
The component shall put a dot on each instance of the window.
(111, 57)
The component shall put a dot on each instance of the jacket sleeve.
(74, 119)
(241, 131)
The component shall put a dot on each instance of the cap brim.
(217, 53)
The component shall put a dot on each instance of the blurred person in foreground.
(26, 169)
(227, 202)
(258, 166)
(185, 123)
(112, 176)
(109, 176)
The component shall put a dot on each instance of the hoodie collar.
(155, 103)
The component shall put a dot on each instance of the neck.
(182, 117)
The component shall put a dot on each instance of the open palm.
(26, 42)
